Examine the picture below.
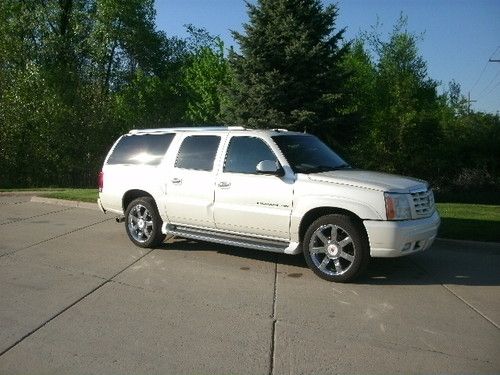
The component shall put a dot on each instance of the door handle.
(176, 181)
(224, 184)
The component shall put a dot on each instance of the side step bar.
(231, 239)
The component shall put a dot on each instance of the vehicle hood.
(370, 180)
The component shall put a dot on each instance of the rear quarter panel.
(119, 178)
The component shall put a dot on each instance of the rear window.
(141, 149)
(198, 152)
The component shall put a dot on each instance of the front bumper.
(398, 238)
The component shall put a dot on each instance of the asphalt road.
(77, 297)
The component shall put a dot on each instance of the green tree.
(123, 40)
(288, 73)
(204, 77)
(455, 100)
(405, 127)
(39, 104)
(74, 74)
(470, 156)
(404, 134)
(361, 83)
(137, 67)
(361, 94)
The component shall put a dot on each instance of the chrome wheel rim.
(332, 250)
(140, 223)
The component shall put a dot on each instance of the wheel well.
(130, 195)
(316, 213)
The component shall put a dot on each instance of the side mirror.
(269, 167)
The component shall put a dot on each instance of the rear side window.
(198, 152)
(141, 149)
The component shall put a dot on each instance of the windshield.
(307, 154)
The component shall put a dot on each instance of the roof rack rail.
(280, 130)
(186, 128)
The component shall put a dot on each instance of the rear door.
(190, 183)
(247, 202)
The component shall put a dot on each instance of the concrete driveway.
(77, 297)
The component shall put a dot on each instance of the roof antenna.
(305, 129)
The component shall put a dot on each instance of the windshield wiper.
(343, 166)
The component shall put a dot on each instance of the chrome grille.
(423, 203)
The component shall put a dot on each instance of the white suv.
(271, 190)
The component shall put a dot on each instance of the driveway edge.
(94, 206)
(64, 202)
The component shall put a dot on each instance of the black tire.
(336, 248)
(143, 223)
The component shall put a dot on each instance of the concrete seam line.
(456, 295)
(275, 296)
(134, 286)
(55, 237)
(72, 304)
(35, 216)
(471, 306)
(69, 270)
(72, 272)
(274, 320)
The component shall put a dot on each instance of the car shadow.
(453, 263)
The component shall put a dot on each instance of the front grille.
(423, 203)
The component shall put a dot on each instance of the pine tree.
(288, 72)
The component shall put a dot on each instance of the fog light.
(407, 246)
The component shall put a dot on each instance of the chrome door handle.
(176, 181)
(224, 184)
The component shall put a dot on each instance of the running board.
(232, 239)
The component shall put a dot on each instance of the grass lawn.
(476, 222)
(83, 195)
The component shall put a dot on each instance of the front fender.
(364, 210)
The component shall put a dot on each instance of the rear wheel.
(143, 223)
(336, 248)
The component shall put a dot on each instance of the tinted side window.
(141, 149)
(244, 153)
(198, 152)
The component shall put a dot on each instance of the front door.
(247, 202)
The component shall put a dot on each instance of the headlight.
(397, 206)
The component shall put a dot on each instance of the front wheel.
(143, 223)
(336, 248)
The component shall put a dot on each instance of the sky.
(459, 36)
